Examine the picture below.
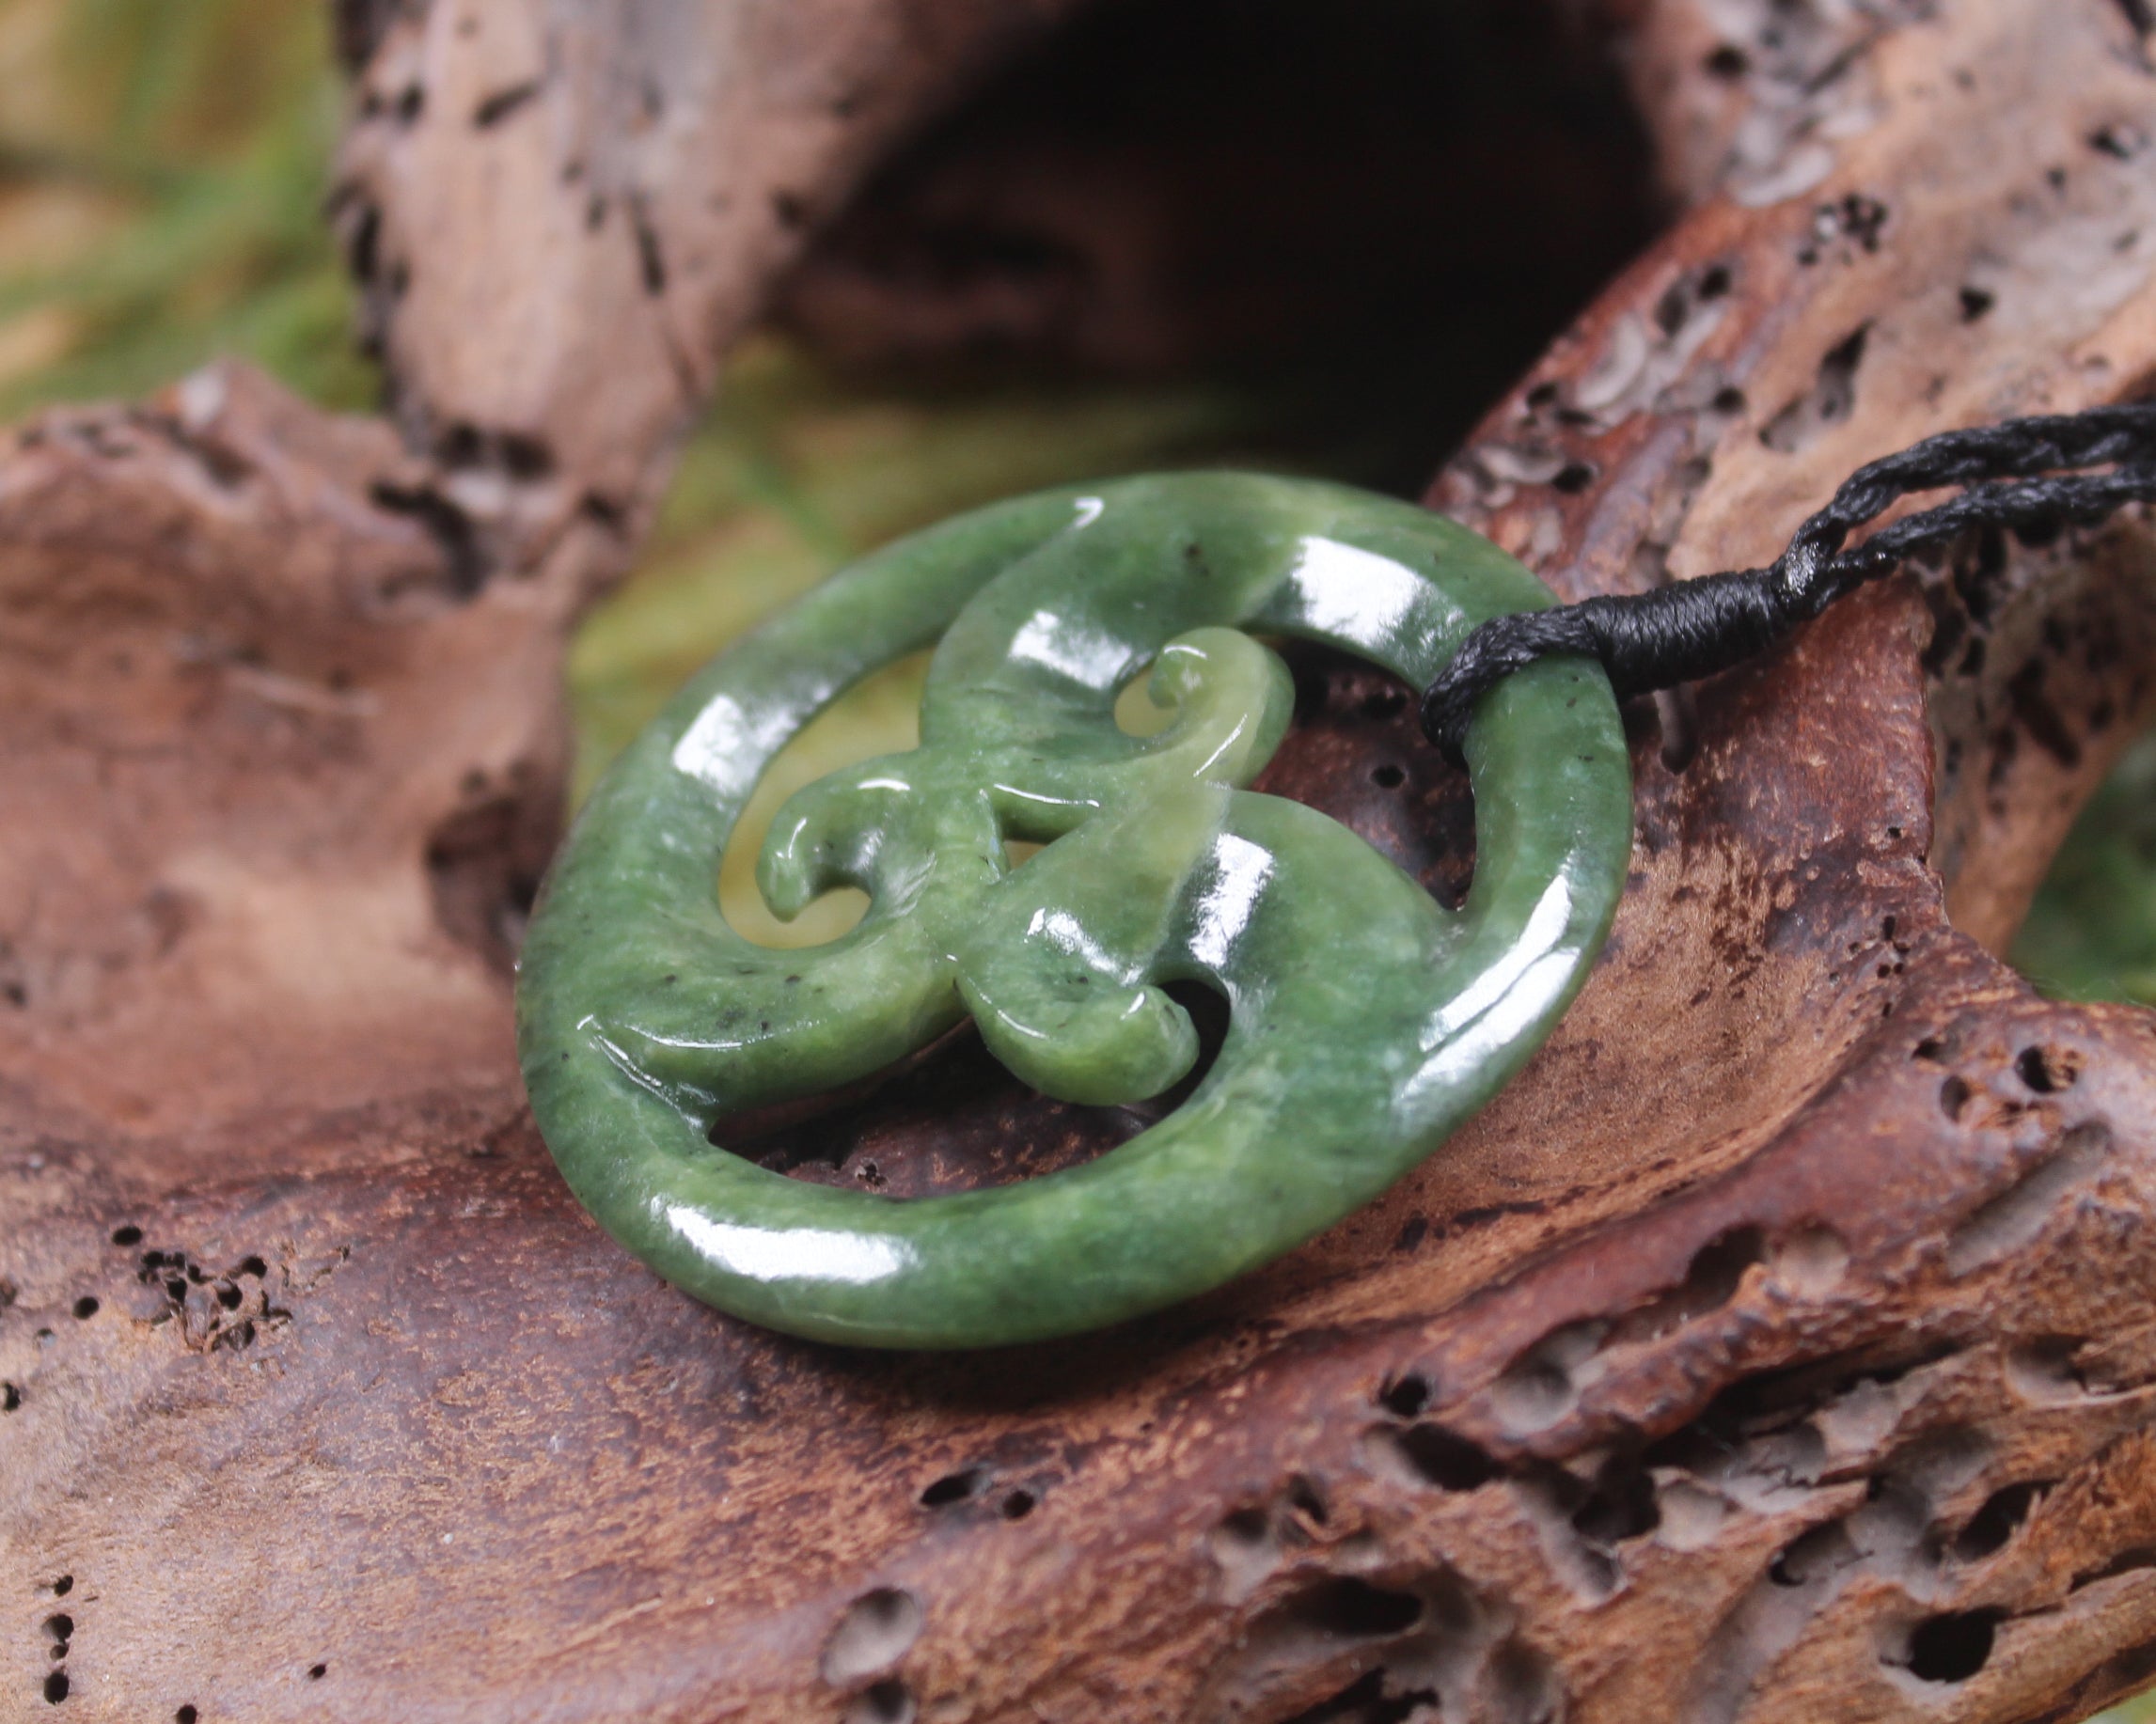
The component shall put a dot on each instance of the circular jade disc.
(1365, 1021)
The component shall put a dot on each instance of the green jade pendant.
(1366, 1023)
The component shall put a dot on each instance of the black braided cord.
(2025, 475)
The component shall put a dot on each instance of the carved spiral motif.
(1366, 1023)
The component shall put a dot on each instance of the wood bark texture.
(1779, 1347)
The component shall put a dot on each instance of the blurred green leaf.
(191, 142)
(2091, 933)
(2142, 1711)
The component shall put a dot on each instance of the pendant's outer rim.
(1129, 1232)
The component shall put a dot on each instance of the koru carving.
(1365, 1021)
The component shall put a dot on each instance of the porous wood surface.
(1780, 1346)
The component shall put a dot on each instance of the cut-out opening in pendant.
(954, 1118)
(1356, 754)
(1137, 714)
(880, 714)
(951, 1118)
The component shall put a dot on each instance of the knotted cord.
(2029, 475)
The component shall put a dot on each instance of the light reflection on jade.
(1366, 1023)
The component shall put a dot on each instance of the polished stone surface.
(1366, 1023)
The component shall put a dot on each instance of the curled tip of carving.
(1121, 1045)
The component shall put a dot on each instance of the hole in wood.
(1354, 1609)
(1953, 1647)
(2047, 1070)
(953, 1487)
(1404, 1396)
(1442, 1458)
(883, 1702)
(876, 1632)
(2002, 1514)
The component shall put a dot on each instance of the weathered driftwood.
(1779, 1347)
(560, 217)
